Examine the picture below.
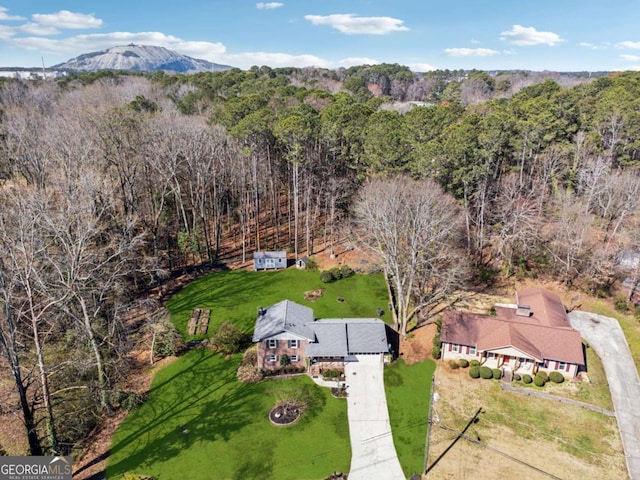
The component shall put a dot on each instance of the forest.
(111, 183)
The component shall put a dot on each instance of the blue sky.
(564, 35)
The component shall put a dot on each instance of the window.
(562, 365)
(455, 348)
(294, 358)
(272, 358)
(272, 343)
(491, 355)
(294, 343)
(472, 350)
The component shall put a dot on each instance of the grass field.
(236, 295)
(199, 422)
(408, 390)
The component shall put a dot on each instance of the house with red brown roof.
(530, 335)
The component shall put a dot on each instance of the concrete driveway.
(373, 456)
(607, 339)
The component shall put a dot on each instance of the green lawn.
(408, 390)
(236, 295)
(229, 434)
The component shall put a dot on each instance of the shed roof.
(276, 254)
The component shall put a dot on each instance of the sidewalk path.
(373, 455)
(607, 339)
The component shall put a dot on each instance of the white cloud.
(99, 41)
(528, 36)
(470, 52)
(37, 29)
(352, 61)
(351, 24)
(593, 46)
(5, 16)
(67, 19)
(248, 59)
(6, 32)
(269, 5)
(628, 44)
(421, 67)
(631, 58)
(474, 41)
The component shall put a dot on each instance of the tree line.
(109, 183)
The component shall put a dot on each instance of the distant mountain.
(141, 58)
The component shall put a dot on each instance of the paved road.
(373, 455)
(607, 339)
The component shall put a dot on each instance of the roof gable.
(542, 341)
(284, 316)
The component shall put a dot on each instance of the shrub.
(435, 352)
(129, 401)
(556, 377)
(486, 372)
(436, 340)
(544, 375)
(453, 365)
(497, 373)
(284, 360)
(517, 377)
(463, 362)
(248, 374)
(526, 378)
(620, 303)
(474, 363)
(229, 338)
(250, 357)
(346, 271)
(326, 276)
(474, 372)
(538, 381)
(331, 373)
(311, 264)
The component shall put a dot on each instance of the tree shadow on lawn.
(226, 294)
(189, 407)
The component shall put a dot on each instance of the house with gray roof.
(288, 328)
(269, 260)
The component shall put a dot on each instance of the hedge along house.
(288, 328)
(532, 334)
(269, 260)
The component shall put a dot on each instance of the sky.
(557, 35)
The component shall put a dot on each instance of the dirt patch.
(416, 346)
(313, 295)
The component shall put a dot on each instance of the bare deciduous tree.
(415, 229)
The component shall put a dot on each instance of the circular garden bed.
(285, 413)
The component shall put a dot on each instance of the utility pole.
(434, 397)
(473, 420)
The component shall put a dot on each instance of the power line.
(495, 450)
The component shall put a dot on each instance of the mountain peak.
(139, 58)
